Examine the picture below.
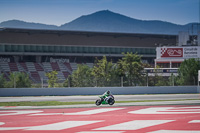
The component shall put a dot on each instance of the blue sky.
(58, 12)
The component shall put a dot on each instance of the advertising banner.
(178, 52)
(171, 52)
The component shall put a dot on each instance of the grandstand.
(39, 51)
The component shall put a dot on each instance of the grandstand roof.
(83, 38)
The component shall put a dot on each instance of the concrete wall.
(96, 91)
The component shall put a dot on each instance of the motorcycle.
(102, 100)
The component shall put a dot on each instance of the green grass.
(55, 103)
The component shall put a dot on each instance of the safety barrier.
(97, 91)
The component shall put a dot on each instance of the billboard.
(178, 52)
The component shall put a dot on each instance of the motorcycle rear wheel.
(111, 101)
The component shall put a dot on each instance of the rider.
(106, 96)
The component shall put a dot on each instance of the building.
(38, 51)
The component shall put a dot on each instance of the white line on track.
(194, 121)
(134, 125)
(167, 110)
(174, 131)
(87, 112)
(18, 112)
(101, 132)
(54, 126)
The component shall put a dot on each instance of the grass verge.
(55, 103)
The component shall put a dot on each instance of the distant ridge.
(107, 21)
(28, 25)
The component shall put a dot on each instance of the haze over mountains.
(107, 21)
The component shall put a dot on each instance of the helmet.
(108, 92)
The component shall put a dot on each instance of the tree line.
(128, 71)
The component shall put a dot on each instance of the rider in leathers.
(107, 95)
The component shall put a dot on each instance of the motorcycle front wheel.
(98, 102)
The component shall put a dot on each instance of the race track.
(125, 119)
(93, 98)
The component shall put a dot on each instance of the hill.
(26, 25)
(107, 21)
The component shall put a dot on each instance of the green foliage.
(2, 81)
(131, 67)
(68, 82)
(52, 79)
(188, 72)
(18, 80)
(103, 72)
(82, 77)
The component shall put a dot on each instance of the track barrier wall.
(97, 91)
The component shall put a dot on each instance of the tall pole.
(122, 81)
(14, 81)
(198, 76)
(147, 80)
(42, 82)
(172, 79)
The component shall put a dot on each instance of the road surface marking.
(174, 131)
(167, 110)
(18, 112)
(134, 125)
(62, 125)
(194, 121)
(47, 114)
(101, 132)
(87, 112)
(54, 126)
(93, 111)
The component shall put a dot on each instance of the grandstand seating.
(55, 66)
(13, 66)
(36, 71)
(24, 66)
(38, 67)
(68, 66)
(66, 74)
(35, 76)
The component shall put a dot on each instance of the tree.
(157, 79)
(18, 80)
(52, 79)
(131, 66)
(102, 71)
(121, 72)
(2, 81)
(82, 77)
(188, 72)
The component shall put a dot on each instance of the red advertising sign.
(171, 52)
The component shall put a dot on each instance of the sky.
(59, 12)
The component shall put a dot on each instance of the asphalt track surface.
(136, 117)
(124, 119)
(93, 98)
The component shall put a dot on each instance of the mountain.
(107, 21)
(26, 25)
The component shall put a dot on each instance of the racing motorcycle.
(102, 100)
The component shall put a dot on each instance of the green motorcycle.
(101, 100)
